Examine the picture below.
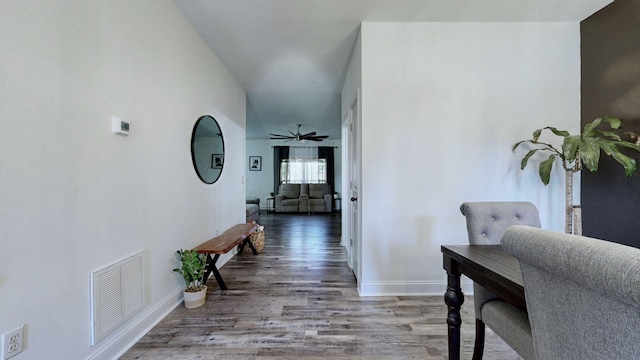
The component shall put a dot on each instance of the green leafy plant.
(193, 269)
(582, 150)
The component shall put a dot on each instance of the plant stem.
(568, 218)
(569, 170)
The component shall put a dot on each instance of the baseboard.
(117, 345)
(417, 288)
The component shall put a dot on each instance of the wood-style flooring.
(298, 299)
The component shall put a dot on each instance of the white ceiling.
(291, 55)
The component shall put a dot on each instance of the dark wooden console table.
(487, 265)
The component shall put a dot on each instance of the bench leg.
(211, 268)
(247, 241)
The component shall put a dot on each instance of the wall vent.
(118, 293)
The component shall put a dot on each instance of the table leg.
(454, 298)
(211, 268)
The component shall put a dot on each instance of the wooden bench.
(237, 235)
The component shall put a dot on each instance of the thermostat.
(119, 126)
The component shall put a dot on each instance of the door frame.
(351, 140)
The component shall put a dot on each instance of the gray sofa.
(305, 198)
(583, 294)
(253, 209)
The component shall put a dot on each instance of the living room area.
(313, 171)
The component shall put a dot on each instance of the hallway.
(298, 298)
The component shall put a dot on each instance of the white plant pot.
(195, 299)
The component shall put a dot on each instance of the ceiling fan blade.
(282, 136)
(316, 138)
(297, 136)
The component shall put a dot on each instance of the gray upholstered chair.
(486, 223)
(288, 198)
(319, 199)
(583, 294)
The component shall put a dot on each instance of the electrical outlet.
(12, 343)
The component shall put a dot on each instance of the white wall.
(442, 105)
(260, 183)
(75, 197)
(351, 91)
(353, 78)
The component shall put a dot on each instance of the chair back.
(583, 294)
(487, 221)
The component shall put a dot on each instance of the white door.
(354, 183)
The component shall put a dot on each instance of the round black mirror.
(207, 149)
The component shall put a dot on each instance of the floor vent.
(118, 293)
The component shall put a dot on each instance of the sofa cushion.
(290, 205)
(317, 205)
(290, 202)
(290, 191)
(318, 191)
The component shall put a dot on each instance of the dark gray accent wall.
(610, 52)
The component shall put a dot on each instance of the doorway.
(351, 215)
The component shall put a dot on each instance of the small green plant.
(272, 194)
(192, 270)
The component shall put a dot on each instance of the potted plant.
(272, 194)
(578, 151)
(193, 269)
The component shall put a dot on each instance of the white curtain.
(303, 153)
(302, 166)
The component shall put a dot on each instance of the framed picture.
(216, 161)
(255, 163)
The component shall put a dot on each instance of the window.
(309, 171)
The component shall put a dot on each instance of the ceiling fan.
(299, 137)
